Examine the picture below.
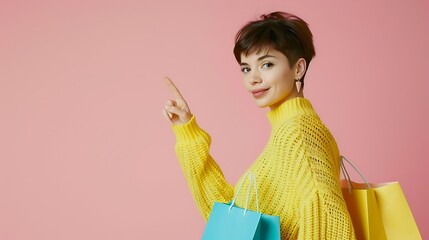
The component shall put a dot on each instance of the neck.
(288, 109)
(293, 95)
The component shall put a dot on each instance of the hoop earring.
(298, 83)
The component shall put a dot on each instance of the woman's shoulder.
(302, 124)
(305, 128)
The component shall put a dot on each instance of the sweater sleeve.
(320, 219)
(323, 213)
(204, 176)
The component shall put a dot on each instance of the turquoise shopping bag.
(229, 222)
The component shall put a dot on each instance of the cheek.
(283, 81)
(288, 77)
(279, 78)
(245, 83)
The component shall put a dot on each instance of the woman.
(298, 170)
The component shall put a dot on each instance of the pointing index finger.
(173, 88)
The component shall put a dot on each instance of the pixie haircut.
(281, 31)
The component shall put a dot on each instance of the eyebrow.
(259, 59)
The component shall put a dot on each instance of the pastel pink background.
(86, 154)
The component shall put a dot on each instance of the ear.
(300, 67)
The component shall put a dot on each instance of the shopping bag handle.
(346, 174)
(251, 177)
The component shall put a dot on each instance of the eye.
(267, 65)
(245, 69)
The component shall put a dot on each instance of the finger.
(170, 115)
(166, 115)
(171, 103)
(174, 89)
(175, 110)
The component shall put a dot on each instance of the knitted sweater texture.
(298, 174)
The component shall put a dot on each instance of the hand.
(176, 111)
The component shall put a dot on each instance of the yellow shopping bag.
(378, 211)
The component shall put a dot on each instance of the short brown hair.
(281, 31)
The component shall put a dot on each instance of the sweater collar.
(287, 109)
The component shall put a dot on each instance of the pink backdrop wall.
(86, 154)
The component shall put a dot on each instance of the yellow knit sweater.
(298, 174)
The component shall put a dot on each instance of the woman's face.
(269, 78)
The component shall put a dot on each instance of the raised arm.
(205, 179)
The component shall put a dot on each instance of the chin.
(262, 104)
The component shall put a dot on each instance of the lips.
(259, 92)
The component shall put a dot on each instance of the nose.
(254, 78)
